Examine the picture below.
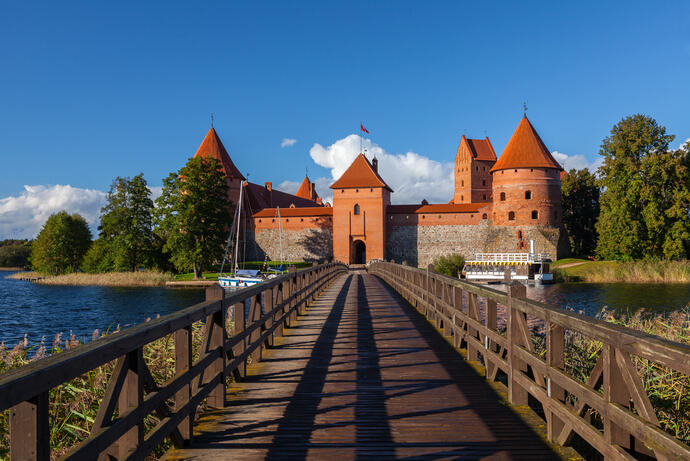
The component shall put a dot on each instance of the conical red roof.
(525, 150)
(212, 147)
(360, 174)
(306, 189)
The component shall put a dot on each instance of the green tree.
(450, 265)
(126, 227)
(15, 253)
(61, 244)
(644, 202)
(580, 202)
(192, 215)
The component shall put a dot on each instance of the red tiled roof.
(437, 208)
(290, 212)
(212, 147)
(525, 150)
(259, 198)
(360, 174)
(481, 149)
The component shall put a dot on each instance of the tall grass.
(630, 272)
(114, 279)
(74, 404)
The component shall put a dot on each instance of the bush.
(450, 265)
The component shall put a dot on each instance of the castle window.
(503, 196)
(357, 209)
(301, 219)
(483, 182)
(273, 220)
(531, 170)
(462, 197)
(371, 190)
(528, 195)
(356, 190)
(516, 171)
(519, 234)
(477, 168)
(484, 216)
(483, 196)
(511, 216)
(259, 220)
(462, 183)
(287, 220)
(439, 216)
(535, 214)
(342, 191)
(423, 217)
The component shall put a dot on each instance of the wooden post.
(491, 324)
(268, 307)
(517, 395)
(183, 362)
(131, 396)
(215, 324)
(254, 316)
(278, 301)
(615, 391)
(238, 312)
(555, 357)
(30, 429)
(473, 313)
(448, 299)
(457, 303)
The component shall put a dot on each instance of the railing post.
(473, 313)
(268, 307)
(457, 303)
(216, 323)
(615, 391)
(491, 324)
(555, 357)
(131, 396)
(183, 362)
(517, 395)
(239, 323)
(279, 297)
(30, 429)
(254, 316)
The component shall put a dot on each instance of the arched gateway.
(359, 252)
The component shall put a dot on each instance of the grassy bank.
(581, 270)
(256, 265)
(109, 279)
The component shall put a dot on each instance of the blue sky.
(93, 90)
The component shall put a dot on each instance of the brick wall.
(315, 244)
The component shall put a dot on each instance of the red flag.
(363, 129)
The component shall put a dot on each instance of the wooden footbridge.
(385, 363)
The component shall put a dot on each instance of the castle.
(499, 205)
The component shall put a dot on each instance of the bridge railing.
(132, 395)
(610, 409)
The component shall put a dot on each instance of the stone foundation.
(298, 245)
(421, 245)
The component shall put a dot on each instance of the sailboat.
(241, 277)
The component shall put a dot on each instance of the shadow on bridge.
(363, 376)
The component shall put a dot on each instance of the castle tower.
(360, 201)
(307, 190)
(473, 163)
(212, 147)
(526, 182)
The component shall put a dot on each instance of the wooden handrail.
(614, 383)
(131, 388)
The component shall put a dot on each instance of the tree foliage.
(61, 244)
(126, 235)
(645, 199)
(192, 215)
(580, 202)
(14, 253)
(450, 265)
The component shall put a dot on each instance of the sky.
(94, 90)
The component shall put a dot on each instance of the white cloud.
(412, 176)
(683, 144)
(290, 187)
(287, 142)
(23, 216)
(568, 162)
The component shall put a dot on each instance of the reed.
(111, 279)
(628, 272)
(74, 404)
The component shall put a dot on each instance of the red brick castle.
(499, 204)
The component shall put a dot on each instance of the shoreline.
(109, 279)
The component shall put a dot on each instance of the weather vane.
(524, 108)
(211, 119)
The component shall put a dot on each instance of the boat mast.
(239, 220)
(227, 246)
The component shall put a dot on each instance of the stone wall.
(421, 245)
(314, 244)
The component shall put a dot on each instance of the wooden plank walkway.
(363, 376)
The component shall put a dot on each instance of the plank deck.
(362, 376)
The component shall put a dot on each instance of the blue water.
(42, 311)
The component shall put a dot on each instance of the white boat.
(242, 278)
(522, 266)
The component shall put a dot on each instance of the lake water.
(42, 311)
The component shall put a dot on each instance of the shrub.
(450, 265)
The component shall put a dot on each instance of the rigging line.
(227, 246)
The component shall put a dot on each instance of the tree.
(580, 202)
(14, 253)
(450, 265)
(126, 227)
(192, 214)
(644, 202)
(61, 244)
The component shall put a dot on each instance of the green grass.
(259, 265)
(629, 272)
(564, 261)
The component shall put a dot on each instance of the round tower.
(526, 182)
